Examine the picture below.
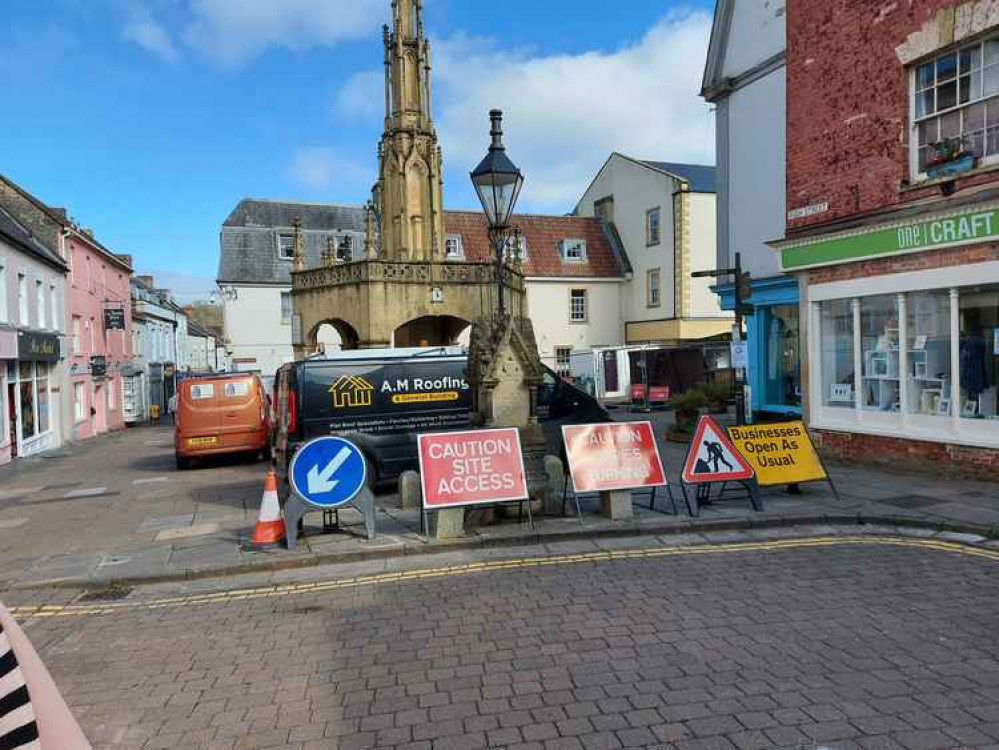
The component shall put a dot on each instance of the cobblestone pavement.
(816, 645)
(116, 508)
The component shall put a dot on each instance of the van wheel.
(183, 464)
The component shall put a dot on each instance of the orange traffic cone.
(269, 532)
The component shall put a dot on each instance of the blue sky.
(150, 119)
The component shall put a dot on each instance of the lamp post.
(497, 182)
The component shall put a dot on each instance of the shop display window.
(782, 385)
(879, 345)
(837, 354)
(929, 354)
(979, 354)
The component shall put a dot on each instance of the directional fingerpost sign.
(712, 457)
(328, 472)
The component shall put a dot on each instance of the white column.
(858, 361)
(955, 359)
(903, 356)
(816, 391)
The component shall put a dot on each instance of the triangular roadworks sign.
(713, 458)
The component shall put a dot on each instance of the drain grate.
(109, 594)
(911, 501)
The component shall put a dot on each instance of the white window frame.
(77, 340)
(657, 240)
(573, 250)
(112, 401)
(458, 244)
(565, 371)
(279, 237)
(573, 318)
(521, 245)
(654, 293)
(54, 306)
(79, 402)
(894, 424)
(40, 305)
(22, 299)
(286, 319)
(4, 312)
(914, 123)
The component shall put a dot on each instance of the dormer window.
(453, 249)
(573, 251)
(286, 246)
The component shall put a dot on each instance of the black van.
(383, 398)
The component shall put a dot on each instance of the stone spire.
(409, 195)
(298, 246)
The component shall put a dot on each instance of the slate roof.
(605, 257)
(249, 252)
(700, 177)
(249, 237)
(14, 232)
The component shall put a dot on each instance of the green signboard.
(958, 229)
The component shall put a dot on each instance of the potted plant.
(949, 156)
(717, 396)
(686, 411)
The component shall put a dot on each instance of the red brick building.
(893, 225)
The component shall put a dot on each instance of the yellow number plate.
(202, 442)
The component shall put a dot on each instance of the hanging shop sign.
(114, 319)
(608, 457)
(37, 347)
(779, 453)
(893, 239)
(99, 367)
(477, 467)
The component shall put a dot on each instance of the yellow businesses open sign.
(780, 453)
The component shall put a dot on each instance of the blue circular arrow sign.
(328, 472)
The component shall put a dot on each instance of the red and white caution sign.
(712, 457)
(471, 468)
(607, 457)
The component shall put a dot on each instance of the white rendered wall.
(548, 305)
(254, 329)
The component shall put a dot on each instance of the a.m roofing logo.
(351, 392)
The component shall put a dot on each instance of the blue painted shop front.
(773, 335)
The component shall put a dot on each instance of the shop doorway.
(100, 404)
(13, 399)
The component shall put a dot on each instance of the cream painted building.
(665, 216)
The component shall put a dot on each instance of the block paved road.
(848, 645)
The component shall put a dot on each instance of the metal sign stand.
(652, 497)
(295, 509)
(702, 495)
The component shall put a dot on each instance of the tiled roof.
(700, 177)
(605, 257)
(13, 231)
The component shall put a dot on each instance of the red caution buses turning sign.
(607, 457)
(476, 467)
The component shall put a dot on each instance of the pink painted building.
(99, 335)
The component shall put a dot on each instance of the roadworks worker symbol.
(713, 458)
(351, 392)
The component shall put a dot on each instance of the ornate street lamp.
(498, 182)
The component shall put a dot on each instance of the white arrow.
(321, 482)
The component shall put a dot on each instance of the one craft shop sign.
(945, 231)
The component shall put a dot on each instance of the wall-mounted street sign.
(328, 473)
(114, 319)
(780, 453)
(99, 367)
(37, 347)
(477, 467)
(712, 457)
(608, 457)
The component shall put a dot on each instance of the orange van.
(220, 414)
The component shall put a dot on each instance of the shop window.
(782, 382)
(26, 389)
(956, 105)
(880, 381)
(928, 381)
(42, 395)
(79, 402)
(838, 375)
(979, 354)
(563, 360)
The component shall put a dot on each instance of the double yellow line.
(272, 592)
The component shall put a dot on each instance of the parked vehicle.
(382, 399)
(221, 414)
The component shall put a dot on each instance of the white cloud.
(231, 31)
(363, 96)
(320, 169)
(152, 37)
(184, 287)
(565, 114)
